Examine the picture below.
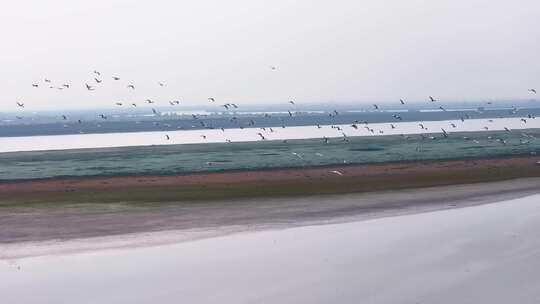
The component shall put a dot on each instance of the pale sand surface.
(480, 254)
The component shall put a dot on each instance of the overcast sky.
(324, 51)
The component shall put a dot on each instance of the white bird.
(337, 172)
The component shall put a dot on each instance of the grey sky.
(335, 51)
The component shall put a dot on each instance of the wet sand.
(67, 209)
(264, 183)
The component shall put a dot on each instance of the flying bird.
(401, 101)
(116, 78)
(97, 73)
(432, 99)
(532, 91)
(35, 85)
(89, 87)
(211, 99)
(97, 80)
(131, 86)
(20, 104)
(337, 172)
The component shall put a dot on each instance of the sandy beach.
(66, 209)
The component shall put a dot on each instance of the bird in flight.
(167, 136)
(65, 85)
(118, 103)
(116, 78)
(376, 106)
(97, 80)
(131, 86)
(20, 104)
(35, 85)
(211, 99)
(337, 172)
(149, 101)
(89, 87)
(532, 91)
(291, 102)
(97, 73)
(402, 102)
(432, 99)
(161, 84)
(47, 80)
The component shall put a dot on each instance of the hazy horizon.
(324, 52)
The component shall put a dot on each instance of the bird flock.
(98, 79)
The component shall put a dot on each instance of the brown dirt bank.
(272, 183)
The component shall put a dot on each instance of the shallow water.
(483, 254)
